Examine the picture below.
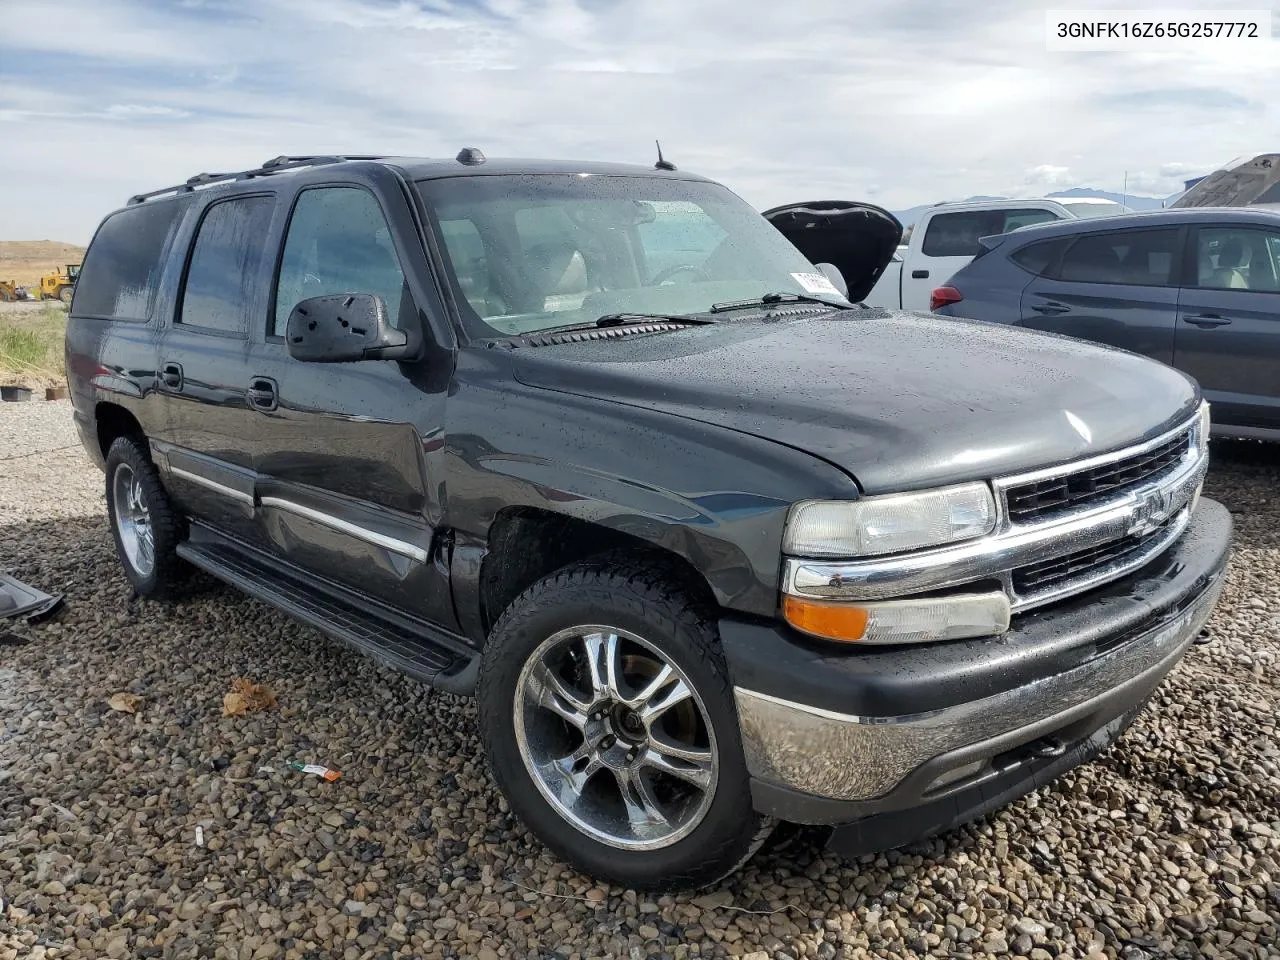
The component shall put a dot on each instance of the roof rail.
(273, 166)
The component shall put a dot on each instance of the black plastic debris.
(18, 599)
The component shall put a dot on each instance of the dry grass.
(31, 345)
(26, 261)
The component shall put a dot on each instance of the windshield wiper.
(618, 319)
(615, 319)
(771, 298)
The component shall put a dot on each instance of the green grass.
(31, 344)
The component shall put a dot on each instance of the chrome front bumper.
(845, 757)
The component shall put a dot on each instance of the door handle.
(171, 376)
(1206, 321)
(1050, 308)
(263, 394)
(919, 274)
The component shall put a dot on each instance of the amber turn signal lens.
(835, 621)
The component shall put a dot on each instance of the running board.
(395, 646)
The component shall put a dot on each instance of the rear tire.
(65, 294)
(146, 526)
(608, 719)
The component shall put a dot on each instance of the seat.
(557, 274)
(1228, 275)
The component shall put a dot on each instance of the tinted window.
(957, 234)
(1039, 258)
(1238, 259)
(338, 242)
(226, 265)
(1140, 257)
(123, 265)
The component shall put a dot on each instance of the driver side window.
(338, 242)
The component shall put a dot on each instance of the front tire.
(65, 294)
(607, 715)
(147, 528)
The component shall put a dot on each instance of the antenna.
(662, 164)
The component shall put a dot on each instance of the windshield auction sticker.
(1086, 30)
(815, 283)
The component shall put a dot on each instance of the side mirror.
(344, 327)
(832, 273)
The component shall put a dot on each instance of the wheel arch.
(113, 422)
(526, 544)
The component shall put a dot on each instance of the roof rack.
(273, 166)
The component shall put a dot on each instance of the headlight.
(889, 524)
(910, 620)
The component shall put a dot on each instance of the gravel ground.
(1167, 846)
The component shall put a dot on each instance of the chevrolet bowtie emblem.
(1150, 513)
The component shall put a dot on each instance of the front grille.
(1044, 499)
(1037, 577)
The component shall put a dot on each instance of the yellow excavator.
(59, 284)
(9, 290)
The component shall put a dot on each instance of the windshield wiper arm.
(771, 298)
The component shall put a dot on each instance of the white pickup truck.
(945, 238)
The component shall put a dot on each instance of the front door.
(1228, 332)
(1117, 287)
(343, 489)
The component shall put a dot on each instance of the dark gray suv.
(1197, 289)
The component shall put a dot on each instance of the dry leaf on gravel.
(247, 697)
(125, 702)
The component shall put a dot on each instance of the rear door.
(950, 240)
(204, 364)
(344, 492)
(1117, 287)
(1228, 331)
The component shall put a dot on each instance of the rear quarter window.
(1040, 258)
(124, 263)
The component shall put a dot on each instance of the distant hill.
(910, 215)
(26, 261)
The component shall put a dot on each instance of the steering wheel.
(664, 275)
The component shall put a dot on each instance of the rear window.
(1040, 258)
(957, 234)
(1136, 257)
(122, 267)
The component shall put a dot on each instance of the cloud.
(910, 102)
(129, 111)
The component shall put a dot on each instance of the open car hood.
(857, 238)
(1241, 183)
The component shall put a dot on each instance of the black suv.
(713, 546)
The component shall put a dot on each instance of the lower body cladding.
(892, 745)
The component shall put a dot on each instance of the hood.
(899, 401)
(857, 238)
(1241, 183)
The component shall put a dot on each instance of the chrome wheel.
(133, 520)
(615, 737)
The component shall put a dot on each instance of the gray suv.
(1198, 289)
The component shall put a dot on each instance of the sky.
(898, 102)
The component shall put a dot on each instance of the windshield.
(1087, 210)
(527, 253)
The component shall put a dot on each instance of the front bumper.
(950, 730)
